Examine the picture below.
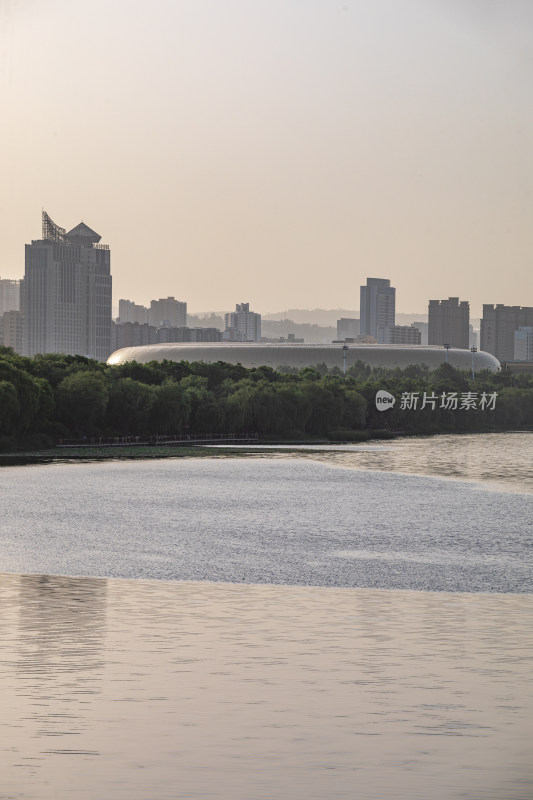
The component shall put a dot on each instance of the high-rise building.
(66, 293)
(168, 312)
(498, 327)
(11, 330)
(523, 344)
(347, 328)
(399, 334)
(448, 322)
(9, 295)
(242, 325)
(132, 312)
(423, 328)
(377, 307)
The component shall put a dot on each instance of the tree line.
(51, 397)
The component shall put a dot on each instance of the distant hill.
(329, 317)
(316, 326)
(315, 316)
(207, 320)
(312, 334)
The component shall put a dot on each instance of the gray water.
(275, 520)
(355, 629)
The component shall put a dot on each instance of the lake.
(331, 623)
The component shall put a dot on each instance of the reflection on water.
(503, 460)
(51, 631)
(119, 689)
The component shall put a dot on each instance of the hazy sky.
(275, 152)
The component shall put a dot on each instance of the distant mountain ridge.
(315, 326)
(323, 317)
(328, 317)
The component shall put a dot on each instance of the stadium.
(308, 355)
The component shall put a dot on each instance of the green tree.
(326, 408)
(171, 410)
(81, 402)
(28, 392)
(130, 406)
(354, 410)
(9, 410)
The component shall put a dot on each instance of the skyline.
(306, 311)
(277, 154)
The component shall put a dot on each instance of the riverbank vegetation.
(51, 397)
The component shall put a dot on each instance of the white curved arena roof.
(251, 354)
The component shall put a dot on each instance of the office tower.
(9, 295)
(242, 325)
(168, 312)
(378, 306)
(423, 328)
(347, 328)
(448, 322)
(399, 334)
(10, 303)
(523, 344)
(66, 293)
(498, 326)
(11, 330)
(131, 312)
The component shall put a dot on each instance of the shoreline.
(88, 453)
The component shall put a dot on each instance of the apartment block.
(242, 325)
(377, 306)
(12, 330)
(399, 334)
(523, 344)
(348, 328)
(448, 322)
(498, 326)
(168, 312)
(128, 311)
(9, 295)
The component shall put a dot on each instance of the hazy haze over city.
(276, 152)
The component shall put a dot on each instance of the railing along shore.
(183, 440)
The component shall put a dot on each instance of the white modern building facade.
(307, 355)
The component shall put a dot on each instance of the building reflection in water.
(56, 663)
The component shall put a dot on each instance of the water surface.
(500, 460)
(128, 690)
(348, 623)
(292, 520)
